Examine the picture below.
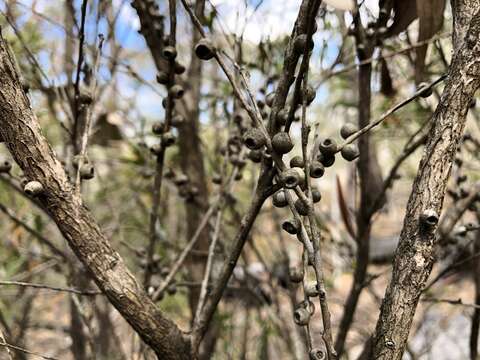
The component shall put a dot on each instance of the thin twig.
(25, 351)
(49, 287)
(385, 115)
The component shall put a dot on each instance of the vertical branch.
(415, 253)
(474, 330)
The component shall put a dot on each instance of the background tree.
(212, 204)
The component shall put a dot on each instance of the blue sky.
(272, 20)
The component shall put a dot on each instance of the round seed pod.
(179, 68)
(85, 97)
(255, 156)
(172, 289)
(348, 129)
(291, 226)
(296, 274)
(328, 146)
(309, 94)
(316, 195)
(311, 289)
(238, 117)
(33, 188)
(168, 139)
(292, 177)
(156, 149)
(425, 90)
(5, 167)
(163, 78)
(178, 120)
(282, 117)
(296, 161)
(25, 86)
(76, 160)
(316, 169)
(254, 139)
(301, 207)
(87, 171)
(181, 179)
(317, 354)
(326, 160)
(158, 127)
(350, 152)
(282, 143)
(301, 316)
(176, 91)
(193, 191)
(429, 219)
(238, 176)
(279, 199)
(300, 43)
(269, 99)
(205, 50)
(461, 179)
(169, 52)
(217, 179)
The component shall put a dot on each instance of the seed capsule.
(296, 274)
(269, 99)
(33, 188)
(291, 226)
(296, 161)
(309, 94)
(205, 49)
(311, 289)
(179, 68)
(425, 90)
(347, 130)
(158, 127)
(156, 149)
(300, 43)
(301, 207)
(169, 52)
(254, 139)
(87, 171)
(181, 179)
(328, 146)
(316, 169)
(217, 179)
(428, 219)
(326, 160)
(176, 91)
(282, 117)
(316, 195)
(168, 139)
(178, 120)
(292, 177)
(282, 143)
(5, 167)
(255, 156)
(301, 316)
(279, 199)
(162, 78)
(317, 354)
(350, 152)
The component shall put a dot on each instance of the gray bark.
(415, 253)
(21, 132)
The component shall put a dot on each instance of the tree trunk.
(415, 253)
(20, 130)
